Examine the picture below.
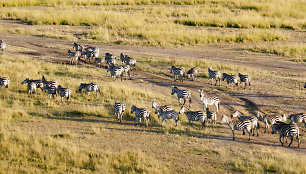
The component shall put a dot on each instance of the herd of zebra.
(246, 124)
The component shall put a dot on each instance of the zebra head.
(133, 109)
(174, 90)
(82, 86)
(237, 114)
(275, 127)
(25, 81)
(154, 105)
(172, 68)
(224, 75)
(209, 69)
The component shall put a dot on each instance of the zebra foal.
(193, 115)
(181, 94)
(115, 71)
(141, 113)
(286, 130)
(212, 116)
(166, 115)
(192, 73)
(178, 73)
(4, 81)
(163, 108)
(270, 119)
(244, 79)
(298, 118)
(230, 79)
(119, 109)
(235, 124)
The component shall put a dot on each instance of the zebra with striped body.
(193, 115)
(126, 71)
(50, 90)
(235, 124)
(90, 87)
(4, 81)
(178, 73)
(64, 92)
(38, 83)
(110, 59)
(74, 56)
(230, 79)
(181, 94)
(252, 119)
(99, 61)
(209, 100)
(77, 46)
(212, 116)
(141, 113)
(298, 118)
(52, 84)
(244, 79)
(214, 75)
(122, 57)
(163, 108)
(286, 130)
(119, 108)
(115, 71)
(270, 119)
(166, 115)
(192, 73)
(130, 61)
(2, 45)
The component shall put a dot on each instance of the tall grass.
(292, 50)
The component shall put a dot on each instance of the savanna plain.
(262, 38)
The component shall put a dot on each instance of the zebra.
(214, 75)
(122, 58)
(192, 73)
(178, 73)
(4, 81)
(235, 124)
(298, 118)
(163, 108)
(193, 115)
(126, 71)
(230, 79)
(270, 119)
(141, 113)
(38, 83)
(181, 94)
(64, 92)
(99, 61)
(119, 108)
(2, 45)
(110, 59)
(130, 61)
(77, 46)
(50, 90)
(115, 71)
(89, 88)
(252, 119)
(209, 100)
(212, 116)
(168, 115)
(286, 130)
(49, 85)
(244, 79)
(74, 56)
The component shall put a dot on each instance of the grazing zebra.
(192, 73)
(99, 61)
(89, 88)
(286, 130)
(193, 115)
(126, 71)
(214, 75)
(235, 124)
(166, 115)
(212, 116)
(209, 100)
(178, 73)
(4, 81)
(141, 113)
(49, 86)
(252, 119)
(298, 118)
(181, 94)
(115, 71)
(64, 92)
(270, 119)
(230, 79)
(244, 79)
(110, 59)
(163, 108)
(119, 108)
(2, 45)
(38, 83)
(74, 56)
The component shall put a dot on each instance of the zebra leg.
(233, 134)
(290, 141)
(280, 139)
(162, 123)
(249, 135)
(299, 141)
(243, 132)
(68, 101)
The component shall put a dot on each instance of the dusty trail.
(44, 49)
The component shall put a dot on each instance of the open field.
(264, 39)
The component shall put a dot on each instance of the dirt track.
(42, 48)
